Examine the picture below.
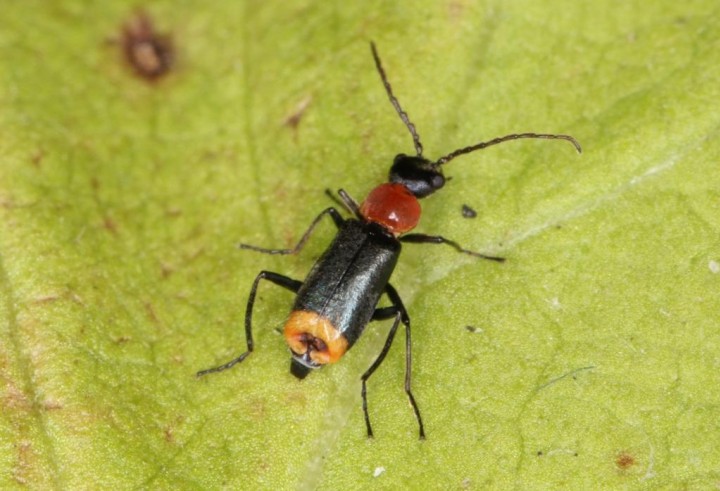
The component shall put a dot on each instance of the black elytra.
(340, 294)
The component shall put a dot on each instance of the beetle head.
(418, 174)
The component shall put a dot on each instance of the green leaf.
(594, 358)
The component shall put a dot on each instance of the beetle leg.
(398, 311)
(344, 199)
(334, 214)
(278, 279)
(373, 367)
(439, 239)
(384, 313)
(395, 299)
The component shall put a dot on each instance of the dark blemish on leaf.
(26, 461)
(539, 453)
(46, 299)
(15, 399)
(257, 410)
(196, 254)
(37, 158)
(624, 461)
(77, 299)
(455, 10)
(468, 212)
(293, 120)
(166, 270)
(149, 53)
(110, 225)
(151, 313)
(169, 436)
(473, 329)
(51, 405)
(123, 340)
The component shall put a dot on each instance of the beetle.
(340, 295)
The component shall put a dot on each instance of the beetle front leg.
(334, 214)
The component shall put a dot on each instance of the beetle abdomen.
(339, 296)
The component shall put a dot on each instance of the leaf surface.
(594, 354)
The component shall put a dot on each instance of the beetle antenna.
(403, 115)
(462, 151)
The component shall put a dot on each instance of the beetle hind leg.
(278, 279)
(397, 310)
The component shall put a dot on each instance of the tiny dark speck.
(149, 53)
(468, 212)
(471, 328)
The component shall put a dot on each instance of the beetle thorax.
(393, 206)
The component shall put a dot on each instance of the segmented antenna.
(479, 146)
(461, 151)
(403, 115)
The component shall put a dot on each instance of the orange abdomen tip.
(309, 331)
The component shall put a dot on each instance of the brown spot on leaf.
(110, 225)
(149, 53)
(51, 405)
(166, 270)
(455, 10)
(169, 436)
(195, 254)
(77, 298)
(151, 313)
(15, 398)
(624, 461)
(257, 409)
(46, 298)
(293, 120)
(37, 158)
(24, 462)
